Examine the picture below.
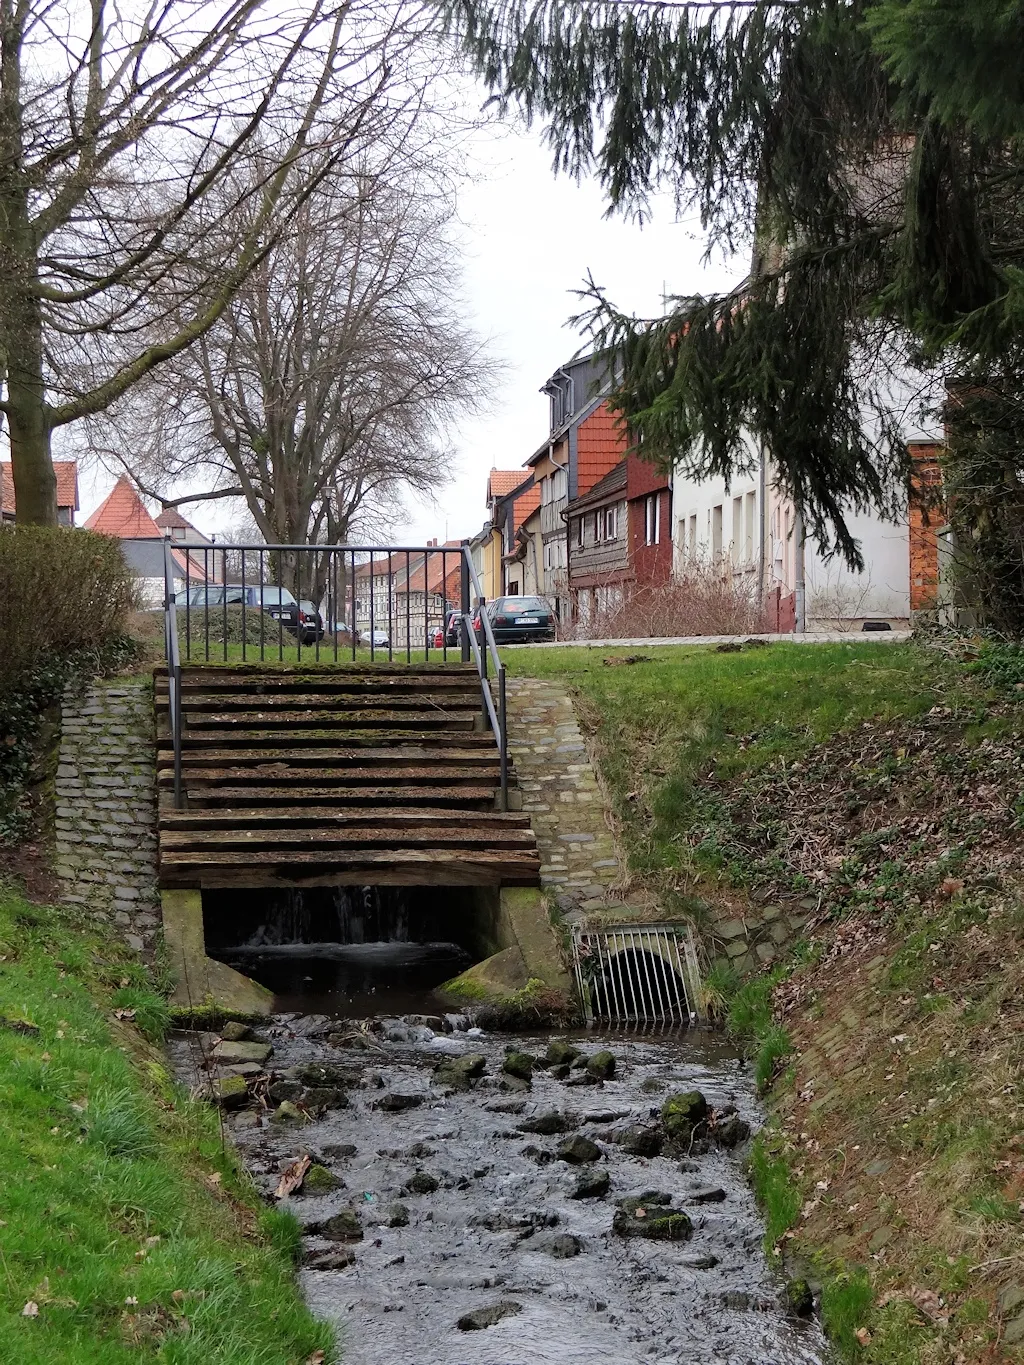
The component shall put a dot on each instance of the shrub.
(704, 601)
(62, 593)
(65, 597)
(192, 631)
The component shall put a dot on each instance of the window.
(716, 532)
(609, 530)
(559, 485)
(652, 519)
(579, 532)
(736, 545)
(750, 511)
(693, 536)
(545, 491)
(549, 555)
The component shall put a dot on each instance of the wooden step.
(264, 671)
(298, 817)
(195, 759)
(270, 686)
(281, 774)
(323, 702)
(302, 795)
(335, 720)
(392, 867)
(287, 840)
(270, 741)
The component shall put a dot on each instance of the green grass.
(666, 725)
(124, 1219)
(776, 1190)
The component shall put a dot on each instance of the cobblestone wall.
(579, 864)
(106, 807)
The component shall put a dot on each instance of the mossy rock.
(682, 1113)
(320, 1180)
(519, 1064)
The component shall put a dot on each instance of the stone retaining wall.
(756, 935)
(106, 807)
(561, 795)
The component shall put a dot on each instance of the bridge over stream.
(306, 752)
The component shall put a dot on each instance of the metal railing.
(173, 668)
(327, 604)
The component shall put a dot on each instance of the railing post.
(502, 739)
(464, 602)
(173, 669)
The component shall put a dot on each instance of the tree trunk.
(21, 323)
(35, 483)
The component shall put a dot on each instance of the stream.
(454, 1232)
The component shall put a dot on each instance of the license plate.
(526, 620)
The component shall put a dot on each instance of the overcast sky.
(530, 239)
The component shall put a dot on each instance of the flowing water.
(498, 1225)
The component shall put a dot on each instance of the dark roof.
(172, 518)
(603, 491)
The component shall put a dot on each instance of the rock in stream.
(447, 1223)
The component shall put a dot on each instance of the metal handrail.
(478, 651)
(173, 670)
(496, 717)
(498, 722)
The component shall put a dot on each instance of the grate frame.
(652, 996)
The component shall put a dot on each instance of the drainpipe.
(799, 587)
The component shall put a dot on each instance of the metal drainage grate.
(637, 973)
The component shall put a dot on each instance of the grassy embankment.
(127, 1232)
(887, 783)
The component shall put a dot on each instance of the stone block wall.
(561, 795)
(753, 935)
(105, 820)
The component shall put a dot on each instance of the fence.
(327, 604)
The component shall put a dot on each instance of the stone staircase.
(335, 775)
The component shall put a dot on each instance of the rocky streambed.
(477, 1200)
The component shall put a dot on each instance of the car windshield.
(523, 606)
(272, 596)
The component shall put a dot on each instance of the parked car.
(276, 602)
(311, 623)
(453, 628)
(518, 620)
(376, 639)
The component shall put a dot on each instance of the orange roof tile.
(525, 504)
(123, 514)
(67, 485)
(503, 481)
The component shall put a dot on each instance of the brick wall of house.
(925, 516)
(642, 477)
(650, 564)
(599, 446)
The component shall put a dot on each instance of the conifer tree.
(865, 158)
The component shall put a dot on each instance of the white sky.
(530, 239)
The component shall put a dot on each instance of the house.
(620, 537)
(123, 514)
(205, 562)
(67, 491)
(752, 531)
(405, 594)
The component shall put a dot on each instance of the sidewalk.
(827, 637)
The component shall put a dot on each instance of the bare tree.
(327, 386)
(120, 127)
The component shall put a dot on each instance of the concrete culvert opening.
(638, 975)
(351, 950)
